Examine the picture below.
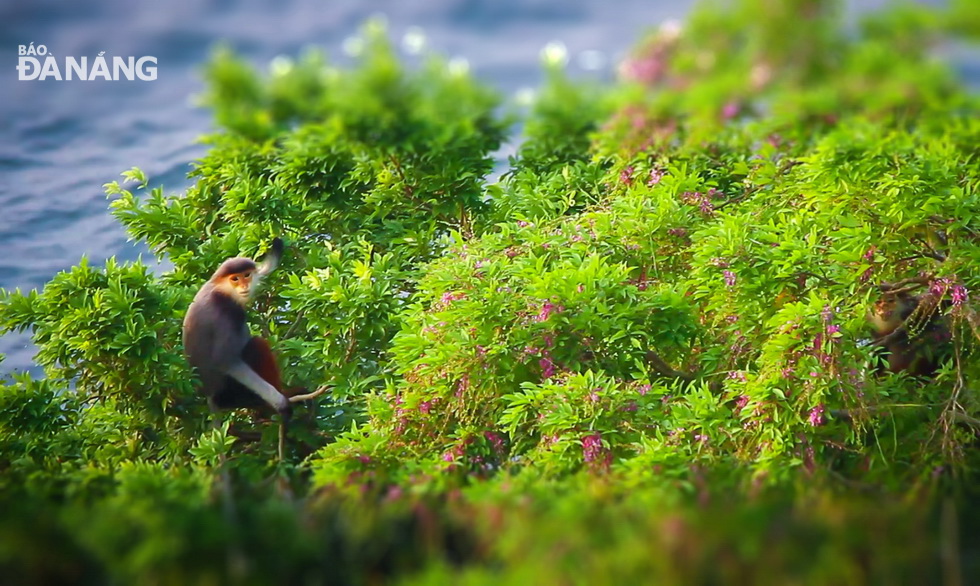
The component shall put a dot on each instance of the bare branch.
(308, 396)
(906, 285)
(663, 368)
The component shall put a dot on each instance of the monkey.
(236, 369)
(915, 337)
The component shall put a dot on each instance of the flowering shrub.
(653, 329)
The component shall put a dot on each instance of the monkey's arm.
(244, 374)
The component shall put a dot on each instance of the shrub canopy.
(658, 310)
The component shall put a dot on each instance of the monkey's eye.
(235, 279)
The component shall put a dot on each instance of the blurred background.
(60, 141)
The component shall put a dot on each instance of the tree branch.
(308, 396)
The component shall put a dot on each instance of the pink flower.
(626, 175)
(816, 416)
(647, 66)
(450, 297)
(827, 314)
(730, 110)
(548, 308)
(729, 279)
(939, 286)
(593, 451)
(741, 402)
(496, 440)
(547, 367)
(655, 176)
(960, 294)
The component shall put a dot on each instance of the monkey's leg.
(244, 374)
(258, 355)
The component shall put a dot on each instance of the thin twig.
(292, 328)
(308, 396)
(282, 439)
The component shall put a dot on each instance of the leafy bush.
(646, 346)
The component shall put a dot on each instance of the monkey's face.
(239, 285)
(889, 312)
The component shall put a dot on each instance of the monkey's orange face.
(887, 313)
(240, 285)
(885, 307)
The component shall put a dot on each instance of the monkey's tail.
(272, 258)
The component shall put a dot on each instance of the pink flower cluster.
(626, 176)
(701, 200)
(448, 297)
(729, 278)
(593, 451)
(547, 366)
(547, 309)
(655, 176)
(741, 402)
(960, 295)
(730, 110)
(496, 441)
(816, 416)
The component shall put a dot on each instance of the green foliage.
(651, 334)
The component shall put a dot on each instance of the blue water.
(60, 141)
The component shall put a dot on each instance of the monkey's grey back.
(214, 334)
